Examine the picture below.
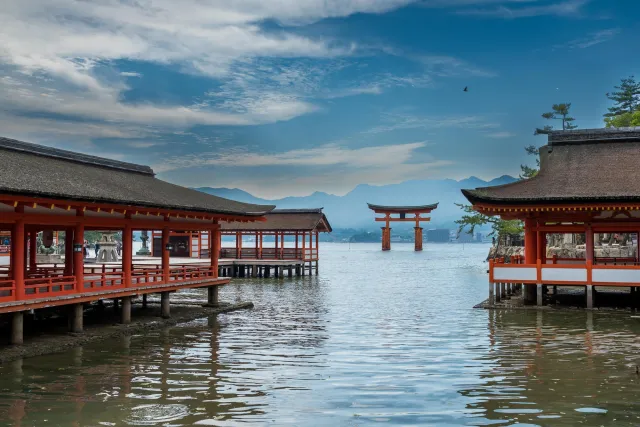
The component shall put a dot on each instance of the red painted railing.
(50, 282)
(41, 287)
(111, 280)
(7, 290)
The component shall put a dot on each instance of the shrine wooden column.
(127, 255)
(239, 244)
(530, 256)
(257, 245)
(296, 246)
(276, 253)
(17, 256)
(281, 245)
(589, 249)
(261, 246)
(304, 243)
(166, 263)
(215, 248)
(78, 255)
(68, 251)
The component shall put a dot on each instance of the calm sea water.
(377, 338)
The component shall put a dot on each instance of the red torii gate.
(402, 212)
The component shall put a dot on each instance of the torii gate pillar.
(402, 212)
(418, 238)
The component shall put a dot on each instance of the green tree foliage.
(626, 98)
(499, 227)
(527, 171)
(558, 112)
(623, 120)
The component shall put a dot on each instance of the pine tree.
(626, 98)
(558, 112)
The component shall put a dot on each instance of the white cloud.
(522, 9)
(325, 155)
(63, 42)
(398, 121)
(592, 39)
(503, 134)
(385, 164)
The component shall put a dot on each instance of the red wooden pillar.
(166, 263)
(257, 245)
(296, 254)
(281, 245)
(239, 239)
(588, 240)
(215, 248)
(276, 255)
(304, 244)
(68, 251)
(530, 241)
(127, 254)
(17, 256)
(260, 247)
(32, 250)
(418, 239)
(78, 255)
(317, 245)
(530, 255)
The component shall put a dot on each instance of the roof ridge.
(56, 153)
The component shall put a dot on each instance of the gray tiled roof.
(285, 220)
(403, 208)
(591, 165)
(38, 171)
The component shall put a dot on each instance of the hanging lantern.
(47, 238)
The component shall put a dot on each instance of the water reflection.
(567, 369)
(378, 337)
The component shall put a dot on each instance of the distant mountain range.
(350, 210)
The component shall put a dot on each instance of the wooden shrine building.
(293, 236)
(45, 189)
(588, 184)
(401, 212)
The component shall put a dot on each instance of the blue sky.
(289, 97)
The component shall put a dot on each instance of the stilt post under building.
(165, 307)
(125, 313)
(17, 328)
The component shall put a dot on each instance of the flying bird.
(466, 89)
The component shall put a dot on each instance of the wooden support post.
(304, 245)
(76, 318)
(530, 256)
(491, 294)
(165, 308)
(68, 251)
(125, 314)
(144, 301)
(497, 292)
(166, 263)
(297, 255)
(539, 294)
(212, 296)
(17, 328)
(127, 255)
(214, 234)
(239, 240)
(78, 254)
(418, 238)
(589, 295)
(17, 256)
